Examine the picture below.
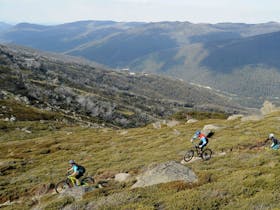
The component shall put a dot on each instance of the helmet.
(71, 162)
(197, 132)
(270, 136)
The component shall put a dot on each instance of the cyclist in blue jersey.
(203, 139)
(275, 142)
(75, 171)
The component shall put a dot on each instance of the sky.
(195, 11)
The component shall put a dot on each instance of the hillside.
(242, 174)
(232, 57)
(97, 95)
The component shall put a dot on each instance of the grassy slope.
(243, 178)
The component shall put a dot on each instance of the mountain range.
(241, 59)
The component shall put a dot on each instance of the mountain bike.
(205, 154)
(70, 182)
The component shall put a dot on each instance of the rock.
(26, 131)
(207, 129)
(157, 125)
(176, 132)
(13, 119)
(122, 177)
(165, 172)
(192, 121)
(172, 123)
(235, 117)
(252, 118)
(268, 108)
(124, 132)
(77, 192)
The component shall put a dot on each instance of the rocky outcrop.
(268, 108)
(235, 117)
(122, 177)
(165, 172)
(210, 129)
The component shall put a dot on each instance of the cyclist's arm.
(70, 170)
(193, 138)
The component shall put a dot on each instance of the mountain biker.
(76, 171)
(275, 142)
(203, 139)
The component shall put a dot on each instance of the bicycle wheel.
(206, 154)
(87, 181)
(189, 155)
(61, 186)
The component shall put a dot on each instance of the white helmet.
(271, 136)
(71, 162)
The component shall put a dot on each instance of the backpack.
(81, 169)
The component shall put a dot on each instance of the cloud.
(58, 11)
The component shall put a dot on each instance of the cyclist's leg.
(78, 178)
(203, 143)
(275, 146)
(73, 180)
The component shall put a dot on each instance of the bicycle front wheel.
(61, 186)
(189, 155)
(87, 181)
(206, 154)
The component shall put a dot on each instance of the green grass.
(244, 178)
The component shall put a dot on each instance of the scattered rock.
(207, 129)
(192, 121)
(77, 192)
(9, 203)
(124, 132)
(172, 123)
(165, 172)
(26, 131)
(235, 117)
(122, 177)
(252, 118)
(157, 125)
(13, 119)
(176, 132)
(268, 108)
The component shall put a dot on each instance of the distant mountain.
(208, 54)
(4, 26)
(228, 56)
(82, 89)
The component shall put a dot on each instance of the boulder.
(122, 177)
(252, 118)
(157, 125)
(235, 117)
(268, 108)
(172, 123)
(207, 129)
(192, 121)
(77, 192)
(165, 172)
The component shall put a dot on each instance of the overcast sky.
(196, 11)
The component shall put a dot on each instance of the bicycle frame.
(197, 149)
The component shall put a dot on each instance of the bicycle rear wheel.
(87, 181)
(206, 154)
(189, 155)
(62, 186)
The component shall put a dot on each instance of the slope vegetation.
(98, 95)
(242, 173)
